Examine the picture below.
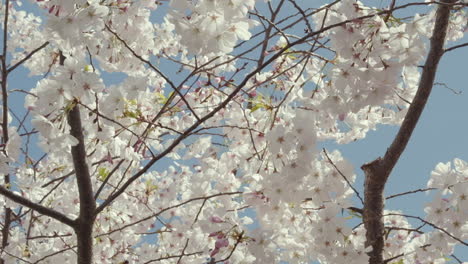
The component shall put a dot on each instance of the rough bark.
(85, 221)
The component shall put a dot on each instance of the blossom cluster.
(237, 174)
(211, 26)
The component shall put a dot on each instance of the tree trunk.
(378, 171)
(85, 221)
(84, 234)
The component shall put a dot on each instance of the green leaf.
(132, 102)
(88, 68)
(160, 98)
(257, 106)
(131, 114)
(258, 103)
(150, 186)
(292, 56)
(70, 105)
(103, 173)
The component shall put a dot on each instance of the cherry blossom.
(199, 138)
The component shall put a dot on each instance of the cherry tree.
(209, 148)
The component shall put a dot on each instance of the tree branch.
(12, 68)
(342, 175)
(409, 192)
(425, 86)
(85, 221)
(434, 226)
(456, 47)
(378, 171)
(37, 207)
(222, 105)
(238, 240)
(147, 62)
(204, 198)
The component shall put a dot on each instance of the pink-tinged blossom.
(208, 152)
(216, 219)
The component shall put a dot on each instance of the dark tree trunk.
(85, 221)
(378, 171)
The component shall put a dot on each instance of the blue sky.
(440, 136)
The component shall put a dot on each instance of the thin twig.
(175, 88)
(12, 68)
(433, 225)
(456, 47)
(342, 175)
(409, 192)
